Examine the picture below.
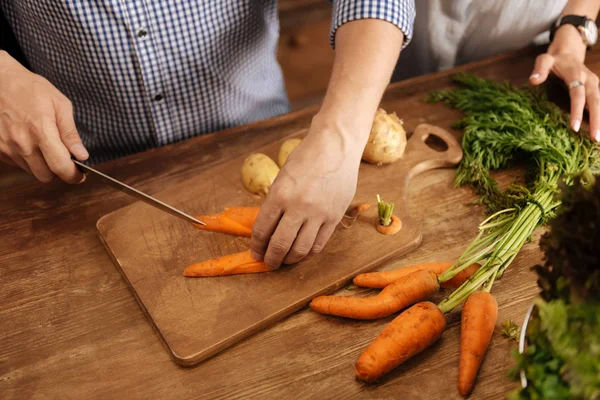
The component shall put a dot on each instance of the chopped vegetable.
(479, 315)
(404, 292)
(384, 278)
(237, 263)
(286, 149)
(408, 334)
(350, 217)
(233, 220)
(258, 173)
(388, 224)
(387, 141)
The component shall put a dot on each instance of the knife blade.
(137, 194)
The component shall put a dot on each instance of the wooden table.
(69, 327)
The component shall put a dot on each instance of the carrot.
(479, 315)
(233, 220)
(223, 224)
(363, 207)
(408, 334)
(392, 228)
(400, 294)
(242, 215)
(384, 278)
(237, 263)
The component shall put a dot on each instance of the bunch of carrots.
(412, 331)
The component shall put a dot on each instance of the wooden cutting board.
(198, 317)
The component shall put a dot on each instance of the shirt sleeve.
(398, 12)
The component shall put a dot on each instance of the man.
(126, 76)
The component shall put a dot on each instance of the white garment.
(453, 32)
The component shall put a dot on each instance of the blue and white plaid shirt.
(145, 73)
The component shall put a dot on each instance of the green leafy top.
(503, 125)
(572, 247)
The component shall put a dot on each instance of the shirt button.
(158, 97)
(142, 33)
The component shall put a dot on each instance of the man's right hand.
(37, 130)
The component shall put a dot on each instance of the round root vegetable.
(387, 140)
(285, 150)
(258, 173)
(408, 334)
(378, 280)
(479, 315)
(404, 292)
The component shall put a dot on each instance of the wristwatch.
(585, 26)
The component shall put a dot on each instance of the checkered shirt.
(146, 73)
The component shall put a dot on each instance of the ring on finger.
(575, 84)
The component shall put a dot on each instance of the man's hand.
(37, 131)
(316, 185)
(308, 198)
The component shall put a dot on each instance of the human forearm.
(366, 53)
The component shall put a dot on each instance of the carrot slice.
(242, 215)
(392, 228)
(222, 223)
(237, 263)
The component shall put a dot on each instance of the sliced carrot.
(352, 215)
(242, 215)
(237, 263)
(381, 279)
(404, 292)
(408, 334)
(223, 224)
(479, 315)
(392, 228)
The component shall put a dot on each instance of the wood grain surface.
(198, 317)
(70, 328)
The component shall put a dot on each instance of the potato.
(286, 149)
(387, 140)
(258, 173)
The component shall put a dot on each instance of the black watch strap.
(575, 20)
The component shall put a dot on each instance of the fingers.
(541, 70)
(323, 236)
(303, 243)
(68, 131)
(56, 154)
(577, 95)
(592, 97)
(282, 240)
(263, 228)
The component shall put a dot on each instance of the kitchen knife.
(137, 194)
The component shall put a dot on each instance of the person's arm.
(565, 58)
(315, 187)
(37, 131)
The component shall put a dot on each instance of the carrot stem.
(386, 210)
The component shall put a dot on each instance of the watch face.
(591, 32)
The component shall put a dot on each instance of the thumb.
(68, 131)
(541, 70)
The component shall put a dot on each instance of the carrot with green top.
(237, 263)
(388, 224)
(383, 278)
(408, 334)
(404, 292)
